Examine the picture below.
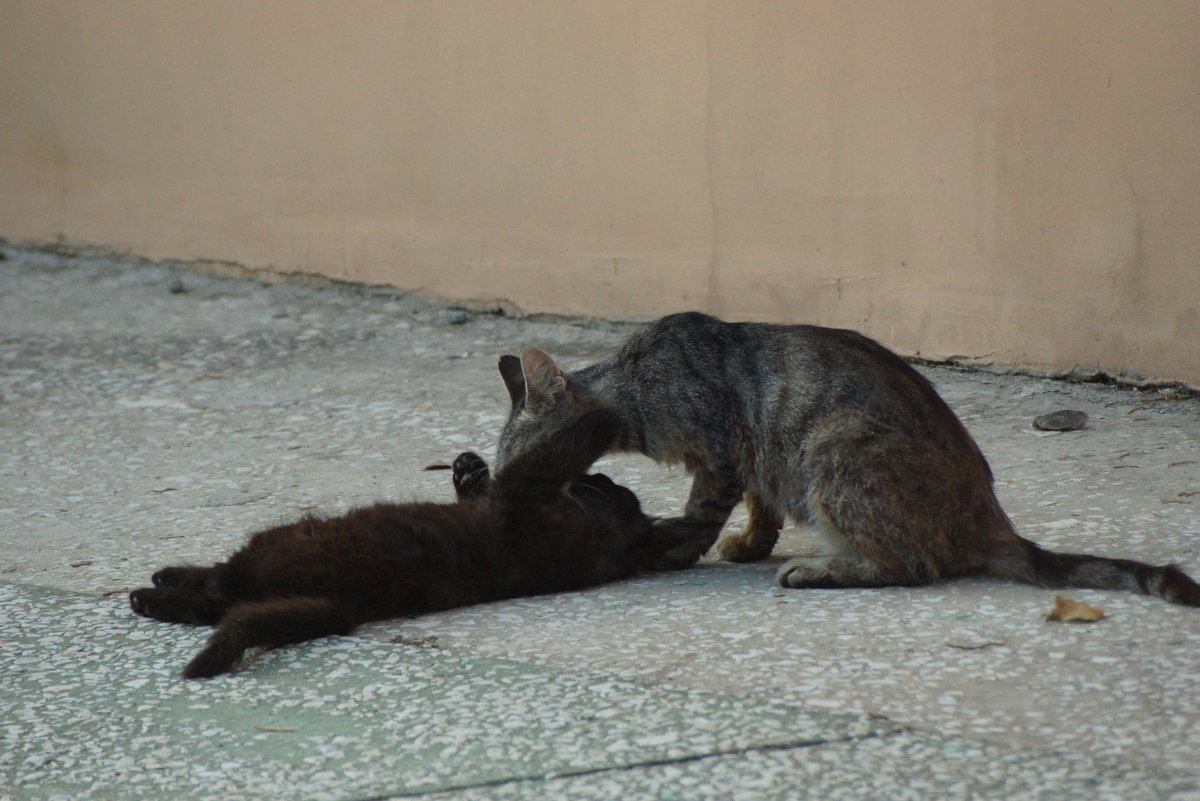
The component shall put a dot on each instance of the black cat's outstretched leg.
(180, 595)
(172, 605)
(280, 621)
(471, 475)
(714, 494)
(679, 542)
(549, 465)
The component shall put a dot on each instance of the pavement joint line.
(765, 748)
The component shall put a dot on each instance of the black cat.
(538, 526)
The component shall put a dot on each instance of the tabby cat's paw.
(471, 475)
(831, 572)
(743, 548)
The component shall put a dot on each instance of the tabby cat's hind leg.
(888, 503)
(272, 623)
(832, 572)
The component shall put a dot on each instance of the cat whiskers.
(578, 502)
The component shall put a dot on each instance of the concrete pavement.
(155, 414)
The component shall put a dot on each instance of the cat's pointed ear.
(514, 379)
(545, 383)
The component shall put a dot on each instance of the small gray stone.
(1062, 420)
(456, 316)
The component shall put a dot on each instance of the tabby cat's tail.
(1031, 564)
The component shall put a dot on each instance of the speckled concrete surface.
(903, 767)
(93, 708)
(151, 416)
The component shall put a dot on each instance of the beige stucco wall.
(1014, 182)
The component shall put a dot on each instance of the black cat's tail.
(561, 458)
(1024, 561)
(280, 621)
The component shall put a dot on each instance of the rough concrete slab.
(152, 415)
(901, 767)
(972, 659)
(94, 708)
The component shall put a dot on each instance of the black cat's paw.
(140, 601)
(471, 475)
(157, 604)
(679, 542)
(192, 577)
(169, 577)
(172, 605)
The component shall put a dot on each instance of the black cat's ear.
(514, 380)
(545, 383)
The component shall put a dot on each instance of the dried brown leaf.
(437, 466)
(1068, 611)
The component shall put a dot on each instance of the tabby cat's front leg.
(713, 496)
(758, 538)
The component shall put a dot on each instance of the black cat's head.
(544, 402)
(602, 496)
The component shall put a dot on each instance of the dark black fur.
(538, 526)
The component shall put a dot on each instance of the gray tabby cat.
(819, 425)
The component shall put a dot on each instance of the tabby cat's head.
(544, 401)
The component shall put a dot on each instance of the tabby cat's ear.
(544, 382)
(514, 380)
